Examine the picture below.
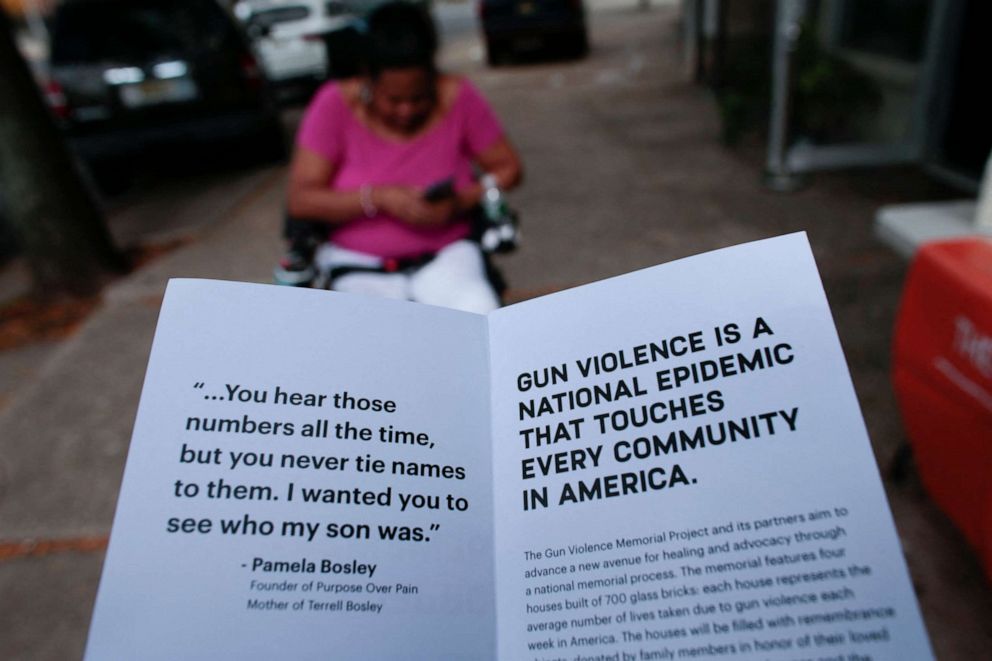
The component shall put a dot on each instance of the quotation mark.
(199, 386)
(435, 527)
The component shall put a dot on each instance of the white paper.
(185, 595)
(541, 534)
(636, 565)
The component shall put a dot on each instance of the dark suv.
(528, 25)
(130, 76)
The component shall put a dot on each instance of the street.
(623, 170)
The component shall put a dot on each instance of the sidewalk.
(624, 171)
(65, 433)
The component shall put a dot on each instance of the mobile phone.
(440, 190)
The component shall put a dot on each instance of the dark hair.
(400, 35)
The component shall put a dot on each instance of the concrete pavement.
(624, 171)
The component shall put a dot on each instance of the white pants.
(455, 278)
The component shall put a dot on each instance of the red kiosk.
(942, 371)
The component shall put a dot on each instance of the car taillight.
(56, 99)
(251, 71)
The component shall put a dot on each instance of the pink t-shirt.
(330, 128)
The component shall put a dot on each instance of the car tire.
(110, 177)
(495, 52)
(270, 143)
(578, 46)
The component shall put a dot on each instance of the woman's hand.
(408, 204)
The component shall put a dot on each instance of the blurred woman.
(387, 161)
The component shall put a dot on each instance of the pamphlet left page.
(309, 477)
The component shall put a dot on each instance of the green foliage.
(829, 96)
(743, 98)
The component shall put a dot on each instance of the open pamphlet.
(669, 464)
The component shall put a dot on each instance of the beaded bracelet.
(365, 198)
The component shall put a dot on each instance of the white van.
(291, 36)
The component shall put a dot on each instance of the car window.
(269, 17)
(336, 8)
(102, 31)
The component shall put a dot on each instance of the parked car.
(130, 76)
(293, 37)
(510, 26)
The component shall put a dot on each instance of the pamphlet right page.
(682, 472)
